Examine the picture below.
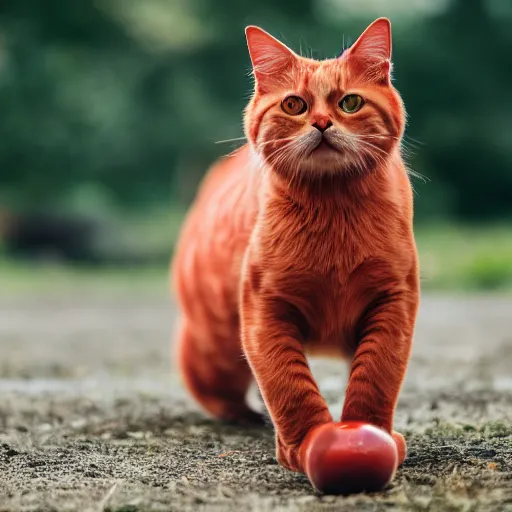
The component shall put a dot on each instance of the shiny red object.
(349, 457)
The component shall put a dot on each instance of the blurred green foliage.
(477, 257)
(452, 257)
(109, 104)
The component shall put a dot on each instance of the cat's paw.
(401, 446)
(288, 457)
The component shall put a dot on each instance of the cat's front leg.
(272, 343)
(288, 456)
(380, 361)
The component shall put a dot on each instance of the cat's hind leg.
(217, 375)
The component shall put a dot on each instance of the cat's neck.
(332, 191)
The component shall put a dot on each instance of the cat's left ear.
(271, 59)
(373, 49)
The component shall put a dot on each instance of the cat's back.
(227, 198)
(216, 232)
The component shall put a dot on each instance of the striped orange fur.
(302, 241)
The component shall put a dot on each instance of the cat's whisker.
(358, 143)
(372, 147)
(412, 140)
(374, 136)
(410, 171)
(405, 141)
(236, 139)
(273, 141)
(416, 174)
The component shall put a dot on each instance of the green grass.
(47, 280)
(453, 258)
(465, 257)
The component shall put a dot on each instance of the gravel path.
(93, 418)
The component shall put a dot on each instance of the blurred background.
(111, 110)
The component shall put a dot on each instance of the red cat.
(302, 241)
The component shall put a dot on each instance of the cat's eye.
(351, 103)
(294, 105)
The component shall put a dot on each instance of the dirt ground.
(92, 416)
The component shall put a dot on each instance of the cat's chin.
(320, 165)
(326, 160)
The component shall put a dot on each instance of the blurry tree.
(121, 102)
(457, 91)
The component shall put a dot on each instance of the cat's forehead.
(322, 77)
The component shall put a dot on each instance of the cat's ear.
(373, 48)
(270, 58)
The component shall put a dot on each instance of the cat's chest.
(332, 274)
(330, 247)
(332, 303)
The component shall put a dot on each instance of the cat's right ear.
(270, 58)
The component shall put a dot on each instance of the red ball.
(350, 457)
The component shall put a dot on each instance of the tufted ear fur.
(372, 51)
(270, 58)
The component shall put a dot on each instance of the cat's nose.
(322, 124)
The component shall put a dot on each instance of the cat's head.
(314, 117)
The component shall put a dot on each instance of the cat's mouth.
(324, 145)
